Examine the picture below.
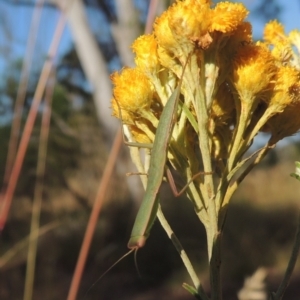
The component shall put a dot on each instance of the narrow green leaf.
(191, 290)
(189, 115)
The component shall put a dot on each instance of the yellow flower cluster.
(232, 87)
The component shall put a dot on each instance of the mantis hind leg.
(173, 185)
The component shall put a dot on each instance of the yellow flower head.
(190, 25)
(133, 90)
(285, 103)
(146, 58)
(226, 16)
(182, 25)
(287, 78)
(273, 32)
(163, 33)
(253, 69)
(282, 51)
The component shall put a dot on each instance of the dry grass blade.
(7, 258)
(16, 122)
(6, 203)
(38, 192)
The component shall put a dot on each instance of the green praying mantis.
(157, 168)
(148, 209)
(147, 212)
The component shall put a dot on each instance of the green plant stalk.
(212, 226)
(244, 118)
(215, 269)
(202, 103)
(203, 138)
(186, 261)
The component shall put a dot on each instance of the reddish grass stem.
(6, 203)
(94, 216)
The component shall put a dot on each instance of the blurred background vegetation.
(261, 224)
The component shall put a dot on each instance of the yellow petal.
(285, 87)
(253, 69)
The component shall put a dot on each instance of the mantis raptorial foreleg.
(171, 181)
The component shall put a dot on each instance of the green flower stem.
(187, 263)
(197, 202)
(261, 122)
(238, 138)
(203, 137)
(215, 268)
(195, 93)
